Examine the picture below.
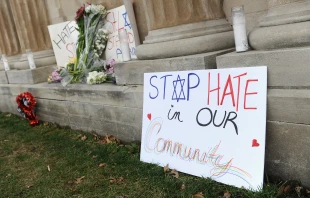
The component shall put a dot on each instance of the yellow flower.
(72, 60)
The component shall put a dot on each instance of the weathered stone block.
(286, 67)
(132, 72)
(289, 105)
(8, 104)
(123, 122)
(287, 151)
(108, 94)
(29, 76)
(3, 78)
(188, 46)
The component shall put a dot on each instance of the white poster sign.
(117, 19)
(207, 123)
(64, 37)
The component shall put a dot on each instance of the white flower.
(96, 77)
(102, 9)
(94, 9)
(105, 31)
(88, 9)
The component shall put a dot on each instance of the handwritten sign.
(208, 123)
(117, 19)
(64, 39)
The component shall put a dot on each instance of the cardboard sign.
(208, 123)
(64, 39)
(117, 19)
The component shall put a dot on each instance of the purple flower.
(111, 62)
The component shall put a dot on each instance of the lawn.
(50, 161)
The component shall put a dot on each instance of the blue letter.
(165, 84)
(118, 52)
(154, 87)
(188, 83)
(125, 20)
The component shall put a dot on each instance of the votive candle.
(5, 63)
(238, 19)
(29, 53)
(123, 38)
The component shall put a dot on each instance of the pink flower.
(80, 13)
(111, 62)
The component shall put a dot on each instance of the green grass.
(26, 152)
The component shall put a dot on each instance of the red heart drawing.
(149, 116)
(255, 143)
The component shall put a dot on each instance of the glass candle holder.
(123, 38)
(5, 63)
(238, 20)
(29, 53)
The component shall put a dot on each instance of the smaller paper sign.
(117, 19)
(207, 123)
(64, 37)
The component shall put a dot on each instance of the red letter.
(228, 82)
(71, 44)
(216, 89)
(238, 94)
(251, 93)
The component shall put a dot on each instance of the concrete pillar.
(9, 43)
(31, 21)
(55, 11)
(287, 24)
(184, 27)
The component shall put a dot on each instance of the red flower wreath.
(26, 103)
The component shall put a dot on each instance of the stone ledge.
(104, 94)
(41, 58)
(30, 76)
(289, 105)
(3, 78)
(125, 123)
(187, 31)
(187, 46)
(286, 67)
(132, 72)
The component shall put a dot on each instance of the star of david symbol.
(181, 95)
(125, 20)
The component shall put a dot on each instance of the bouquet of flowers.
(91, 43)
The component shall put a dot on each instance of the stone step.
(286, 67)
(30, 76)
(132, 72)
(3, 77)
(105, 94)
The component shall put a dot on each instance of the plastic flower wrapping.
(100, 42)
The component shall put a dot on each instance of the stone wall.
(104, 109)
